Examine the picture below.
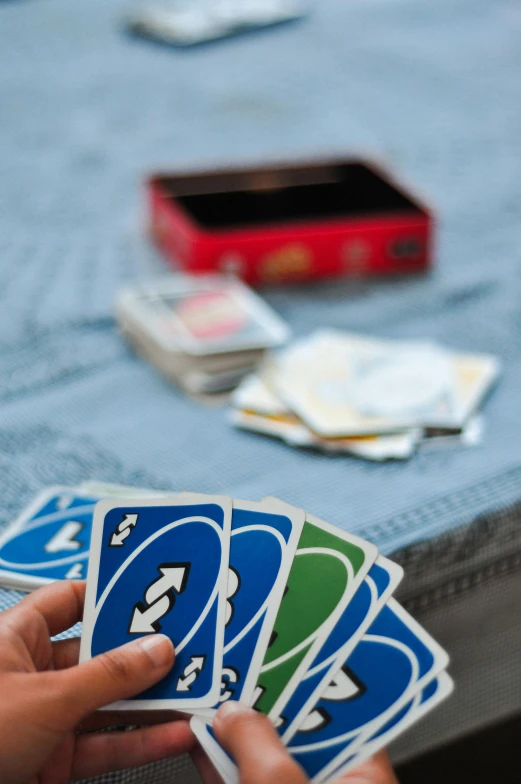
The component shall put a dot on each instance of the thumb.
(115, 675)
(253, 742)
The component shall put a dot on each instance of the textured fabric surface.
(464, 586)
(85, 111)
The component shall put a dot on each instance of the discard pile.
(204, 333)
(264, 603)
(377, 399)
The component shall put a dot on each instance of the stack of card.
(376, 399)
(268, 605)
(204, 333)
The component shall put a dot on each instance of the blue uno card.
(160, 565)
(50, 540)
(393, 661)
(382, 579)
(421, 704)
(262, 544)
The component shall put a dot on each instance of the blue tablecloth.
(86, 112)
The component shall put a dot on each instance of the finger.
(377, 770)
(59, 604)
(65, 653)
(204, 766)
(116, 675)
(96, 754)
(254, 744)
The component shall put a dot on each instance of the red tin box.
(291, 222)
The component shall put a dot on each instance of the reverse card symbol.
(65, 538)
(191, 673)
(123, 530)
(344, 686)
(159, 598)
(64, 501)
(229, 676)
(75, 572)
(317, 719)
(274, 634)
(234, 583)
(257, 694)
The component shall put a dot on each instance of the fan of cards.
(377, 399)
(264, 603)
(204, 333)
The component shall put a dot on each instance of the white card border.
(100, 512)
(440, 663)
(395, 576)
(277, 332)
(370, 748)
(371, 554)
(297, 518)
(17, 580)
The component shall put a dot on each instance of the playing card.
(194, 23)
(474, 376)
(423, 702)
(254, 396)
(470, 435)
(161, 565)
(392, 662)
(341, 384)
(328, 568)
(397, 446)
(204, 315)
(263, 541)
(170, 357)
(201, 383)
(380, 583)
(49, 540)
(259, 409)
(197, 375)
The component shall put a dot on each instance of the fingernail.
(230, 708)
(159, 648)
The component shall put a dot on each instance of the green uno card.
(328, 567)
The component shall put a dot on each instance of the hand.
(260, 756)
(46, 695)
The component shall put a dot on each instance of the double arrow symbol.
(65, 538)
(344, 686)
(190, 673)
(159, 598)
(123, 530)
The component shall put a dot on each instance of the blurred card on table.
(342, 384)
(201, 21)
(204, 332)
